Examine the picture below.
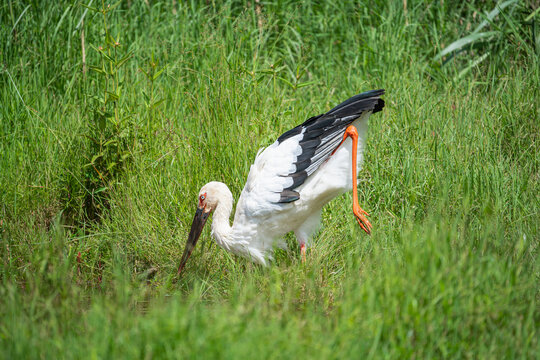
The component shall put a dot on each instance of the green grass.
(97, 189)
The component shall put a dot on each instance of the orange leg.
(303, 252)
(357, 210)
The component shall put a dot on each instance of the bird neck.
(221, 230)
(235, 241)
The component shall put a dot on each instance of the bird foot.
(303, 253)
(357, 210)
(362, 219)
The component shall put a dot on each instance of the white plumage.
(288, 184)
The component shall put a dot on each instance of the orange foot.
(357, 210)
(362, 219)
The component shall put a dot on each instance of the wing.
(286, 164)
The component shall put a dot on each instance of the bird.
(289, 183)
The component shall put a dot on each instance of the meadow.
(112, 116)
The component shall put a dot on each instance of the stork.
(289, 183)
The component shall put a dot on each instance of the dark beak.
(196, 228)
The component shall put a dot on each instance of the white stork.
(289, 183)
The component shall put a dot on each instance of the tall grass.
(99, 173)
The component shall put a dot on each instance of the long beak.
(196, 228)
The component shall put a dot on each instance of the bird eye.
(202, 197)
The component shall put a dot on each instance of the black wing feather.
(322, 134)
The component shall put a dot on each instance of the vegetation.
(112, 116)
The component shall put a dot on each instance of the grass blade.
(494, 13)
(19, 18)
(467, 40)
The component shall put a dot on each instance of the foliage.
(132, 107)
(514, 34)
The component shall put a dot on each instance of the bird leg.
(357, 210)
(303, 252)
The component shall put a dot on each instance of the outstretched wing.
(286, 164)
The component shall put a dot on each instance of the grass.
(99, 170)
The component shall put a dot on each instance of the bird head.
(209, 199)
